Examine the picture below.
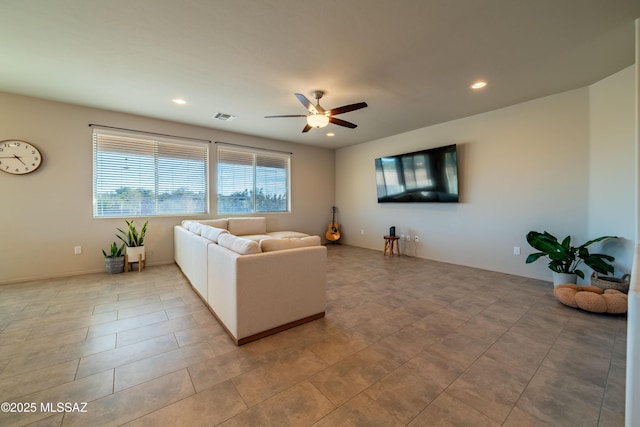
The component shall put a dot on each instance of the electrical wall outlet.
(516, 250)
(77, 250)
(408, 238)
(402, 236)
(362, 231)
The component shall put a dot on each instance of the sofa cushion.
(217, 223)
(286, 234)
(212, 233)
(256, 237)
(252, 225)
(238, 244)
(270, 245)
(195, 227)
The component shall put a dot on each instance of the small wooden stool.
(141, 263)
(389, 242)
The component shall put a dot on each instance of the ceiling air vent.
(224, 117)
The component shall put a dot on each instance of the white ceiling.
(412, 61)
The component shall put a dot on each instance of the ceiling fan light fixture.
(317, 120)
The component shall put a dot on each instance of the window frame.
(162, 145)
(259, 156)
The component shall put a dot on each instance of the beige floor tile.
(300, 405)
(196, 333)
(218, 369)
(490, 388)
(114, 358)
(86, 389)
(207, 408)
(129, 312)
(126, 324)
(143, 333)
(559, 398)
(127, 405)
(271, 378)
(359, 411)
(406, 391)
(57, 327)
(12, 388)
(38, 345)
(338, 345)
(404, 344)
(448, 411)
(152, 367)
(350, 376)
(58, 355)
(120, 305)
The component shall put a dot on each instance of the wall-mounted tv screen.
(423, 176)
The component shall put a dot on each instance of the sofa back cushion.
(252, 225)
(238, 244)
(212, 233)
(195, 227)
(217, 223)
(270, 245)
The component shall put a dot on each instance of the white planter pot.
(563, 278)
(135, 254)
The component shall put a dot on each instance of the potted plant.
(114, 262)
(134, 241)
(565, 259)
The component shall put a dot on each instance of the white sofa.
(255, 282)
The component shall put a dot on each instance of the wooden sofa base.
(262, 334)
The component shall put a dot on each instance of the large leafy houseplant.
(132, 237)
(564, 258)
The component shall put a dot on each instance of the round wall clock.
(19, 157)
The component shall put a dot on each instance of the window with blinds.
(252, 180)
(145, 176)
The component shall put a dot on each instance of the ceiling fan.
(318, 117)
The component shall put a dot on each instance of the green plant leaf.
(598, 240)
(534, 257)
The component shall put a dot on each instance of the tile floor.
(405, 341)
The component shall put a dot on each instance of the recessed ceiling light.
(479, 84)
(331, 134)
(179, 101)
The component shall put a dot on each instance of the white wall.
(45, 214)
(632, 388)
(521, 168)
(612, 167)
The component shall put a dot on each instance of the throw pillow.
(238, 244)
(212, 233)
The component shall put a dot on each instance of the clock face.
(19, 157)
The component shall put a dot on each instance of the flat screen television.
(420, 177)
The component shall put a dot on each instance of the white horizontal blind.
(140, 176)
(252, 180)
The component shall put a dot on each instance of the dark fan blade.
(347, 108)
(292, 115)
(306, 128)
(342, 123)
(307, 104)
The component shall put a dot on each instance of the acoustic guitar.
(333, 234)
